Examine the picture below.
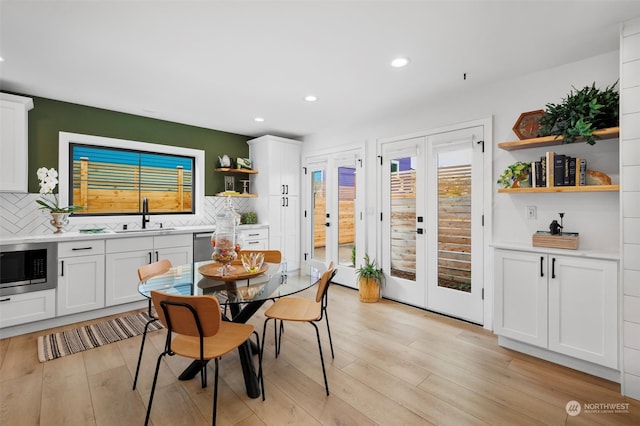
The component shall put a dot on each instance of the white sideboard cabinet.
(80, 276)
(566, 304)
(14, 142)
(278, 189)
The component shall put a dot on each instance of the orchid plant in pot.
(59, 215)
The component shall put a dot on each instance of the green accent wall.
(48, 117)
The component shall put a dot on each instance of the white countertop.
(109, 234)
(596, 254)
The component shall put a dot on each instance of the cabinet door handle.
(287, 186)
(62, 268)
(282, 201)
(150, 258)
(282, 190)
(253, 235)
(287, 205)
(8, 299)
(157, 258)
(81, 248)
(253, 242)
(542, 266)
(553, 267)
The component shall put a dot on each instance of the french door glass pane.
(346, 213)
(318, 182)
(454, 219)
(403, 218)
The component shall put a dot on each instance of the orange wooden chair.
(299, 309)
(195, 330)
(144, 273)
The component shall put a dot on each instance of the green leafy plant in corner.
(369, 270)
(581, 113)
(514, 171)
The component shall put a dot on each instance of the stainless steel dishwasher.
(202, 249)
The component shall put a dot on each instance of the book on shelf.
(558, 170)
(549, 175)
(572, 170)
(581, 180)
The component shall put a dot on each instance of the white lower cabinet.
(80, 276)
(126, 255)
(27, 307)
(565, 304)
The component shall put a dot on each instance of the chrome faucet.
(145, 213)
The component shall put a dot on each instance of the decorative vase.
(59, 221)
(223, 239)
(369, 290)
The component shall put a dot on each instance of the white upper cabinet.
(14, 142)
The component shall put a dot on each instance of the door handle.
(327, 224)
(541, 266)
(553, 267)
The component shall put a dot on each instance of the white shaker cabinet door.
(521, 296)
(80, 284)
(583, 314)
(122, 276)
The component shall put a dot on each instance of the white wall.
(630, 164)
(594, 216)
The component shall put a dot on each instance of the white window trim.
(66, 138)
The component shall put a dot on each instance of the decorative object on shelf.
(556, 238)
(59, 215)
(528, 124)
(597, 178)
(223, 239)
(243, 163)
(581, 113)
(369, 281)
(225, 161)
(229, 184)
(516, 175)
(245, 186)
(249, 218)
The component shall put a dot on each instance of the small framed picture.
(244, 163)
(229, 183)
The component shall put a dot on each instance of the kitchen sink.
(139, 231)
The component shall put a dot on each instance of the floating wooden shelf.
(604, 134)
(584, 188)
(241, 171)
(222, 194)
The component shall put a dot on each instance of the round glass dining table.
(242, 293)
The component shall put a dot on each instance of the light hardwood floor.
(394, 365)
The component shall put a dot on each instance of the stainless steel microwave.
(27, 267)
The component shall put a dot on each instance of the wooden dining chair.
(144, 273)
(270, 256)
(299, 309)
(195, 330)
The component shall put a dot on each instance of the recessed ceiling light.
(399, 62)
(258, 119)
(310, 98)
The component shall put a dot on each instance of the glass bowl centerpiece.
(223, 239)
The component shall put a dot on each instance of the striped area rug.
(56, 345)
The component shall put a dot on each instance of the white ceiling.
(219, 64)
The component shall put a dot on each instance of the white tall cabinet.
(566, 304)
(278, 188)
(14, 142)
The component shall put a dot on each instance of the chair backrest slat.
(156, 268)
(207, 308)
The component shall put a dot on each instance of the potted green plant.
(369, 280)
(581, 113)
(516, 175)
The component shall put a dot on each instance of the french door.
(432, 239)
(334, 215)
